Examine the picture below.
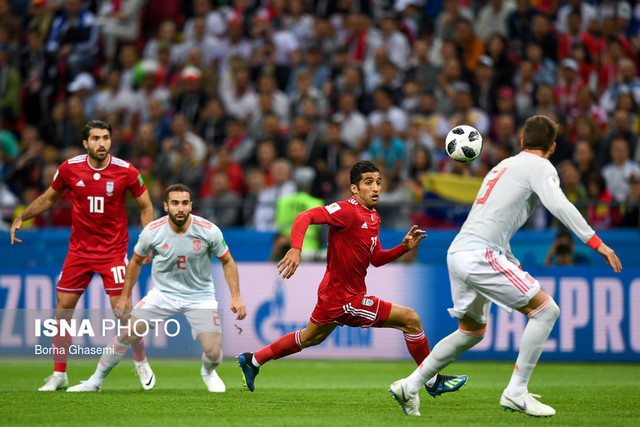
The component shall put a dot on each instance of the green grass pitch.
(316, 393)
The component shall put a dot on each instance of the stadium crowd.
(252, 100)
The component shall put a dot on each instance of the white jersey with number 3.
(182, 262)
(508, 195)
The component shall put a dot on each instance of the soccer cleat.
(144, 372)
(55, 382)
(213, 381)
(446, 384)
(83, 387)
(249, 372)
(410, 404)
(527, 404)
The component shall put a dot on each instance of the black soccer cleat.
(249, 372)
(446, 384)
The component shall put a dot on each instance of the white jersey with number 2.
(182, 262)
(508, 195)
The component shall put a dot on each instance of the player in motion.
(483, 270)
(99, 237)
(183, 282)
(342, 294)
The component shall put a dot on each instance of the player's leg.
(112, 273)
(211, 358)
(543, 313)
(206, 328)
(112, 354)
(291, 343)
(408, 321)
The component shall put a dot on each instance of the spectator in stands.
(298, 21)
(420, 68)
(119, 20)
(146, 146)
(621, 171)
(224, 205)
(265, 210)
(486, 85)
(9, 90)
(572, 187)
(255, 184)
(167, 33)
(238, 141)
(38, 73)
(619, 128)
(631, 216)
(39, 18)
(496, 49)
(519, 26)
(172, 152)
(626, 81)
(212, 124)
(388, 152)
(191, 98)
(83, 86)
(601, 213)
(215, 22)
(208, 45)
(465, 113)
(353, 124)
(586, 10)
(238, 97)
(74, 38)
(545, 68)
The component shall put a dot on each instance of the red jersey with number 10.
(99, 224)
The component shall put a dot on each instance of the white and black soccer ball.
(463, 143)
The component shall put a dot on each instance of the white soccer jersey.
(508, 195)
(182, 262)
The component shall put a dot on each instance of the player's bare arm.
(289, 263)
(413, 237)
(610, 257)
(40, 205)
(146, 215)
(230, 270)
(123, 305)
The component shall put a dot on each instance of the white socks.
(208, 365)
(531, 345)
(112, 355)
(442, 354)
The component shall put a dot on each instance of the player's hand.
(238, 307)
(289, 264)
(123, 307)
(610, 257)
(17, 223)
(413, 237)
(148, 258)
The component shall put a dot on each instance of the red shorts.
(77, 273)
(363, 310)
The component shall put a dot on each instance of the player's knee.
(412, 322)
(213, 353)
(549, 313)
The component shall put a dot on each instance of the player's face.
(178, 207)
(367, 191)
(98, 144)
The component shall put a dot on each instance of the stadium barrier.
(599, 320)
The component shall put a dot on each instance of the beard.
(98, 156)
(179, 222)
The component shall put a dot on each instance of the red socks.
(288, 344)
(61, 353)
(418, 346)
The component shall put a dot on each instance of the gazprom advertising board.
(599, 314)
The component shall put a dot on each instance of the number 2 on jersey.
(182, 262)
(490, 184)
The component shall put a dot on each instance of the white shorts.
(202, 316)
(482, 276)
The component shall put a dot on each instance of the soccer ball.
(463, 143)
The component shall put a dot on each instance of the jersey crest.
(197, 245)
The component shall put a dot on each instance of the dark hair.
(95, 124)
(176, 187)
(539, 133)
(361, 167)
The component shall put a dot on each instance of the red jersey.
(353, 245)
(99, 219)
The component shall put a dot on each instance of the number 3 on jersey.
(96, 204)
(490, 184)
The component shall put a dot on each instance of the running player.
(183, 283)
(342, 295)
(483, 270)
(99, 236)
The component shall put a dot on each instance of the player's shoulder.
(342, 206)
(118, 162)
(202, 223)
(74, 162)
(156, 224)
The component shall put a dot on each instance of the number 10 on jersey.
(96, 204)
